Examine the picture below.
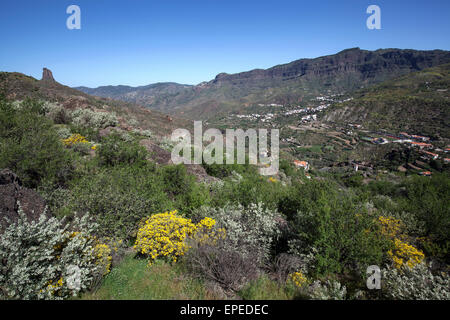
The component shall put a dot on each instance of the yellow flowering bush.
(74, 139)
(53, 289)
(298, 278)
(390, 227)
(405, 254)
(205, 233)
(402, 254)
(103, 257)
(102, 252)
(165, 235)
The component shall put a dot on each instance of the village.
(309, 113)
(424, 146)
(296, 121)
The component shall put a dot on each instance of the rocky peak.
(47, 75)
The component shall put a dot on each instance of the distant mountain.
(144, 95)
(17, 86)
(418, 103)
(345, 71)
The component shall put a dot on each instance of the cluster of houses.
(332, 98)
(267, 117)
(255, 116)
(270, 105)
(309, 117)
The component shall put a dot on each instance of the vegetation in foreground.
(157, 233)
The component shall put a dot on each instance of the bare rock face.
(12, 192)
(47, 75)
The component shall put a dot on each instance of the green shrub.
(248, 188)
(344, 235)
(30, 146)
(56, 112)
(115, 151)
(117, 198)
(183, 189)
(428, 199)
(328, 290)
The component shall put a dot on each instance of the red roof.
(430, 153)
(300, 163)
(421, 144)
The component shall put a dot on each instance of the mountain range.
(293, 82)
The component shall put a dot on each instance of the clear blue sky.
(137, 42)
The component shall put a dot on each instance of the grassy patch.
(266, 289)
(133, 279)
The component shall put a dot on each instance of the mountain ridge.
(347, 70)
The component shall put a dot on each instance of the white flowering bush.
(17, 104)
(329, 290)
(166, 144)
(89, 118)
(63, 132)
(417, 283)
(46, 258)
(247, 229)
(133, 122)
(144, 133)
(56, 112)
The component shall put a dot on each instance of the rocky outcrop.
(47, 75)
(12, 193)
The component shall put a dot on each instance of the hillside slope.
(17, 86)
(418, 103)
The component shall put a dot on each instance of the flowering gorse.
(74, 139)
(390, 227)
(166, 234)
(404, 253)
(298, 278)
(103, 256)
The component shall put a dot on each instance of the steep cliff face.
(361, 63)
